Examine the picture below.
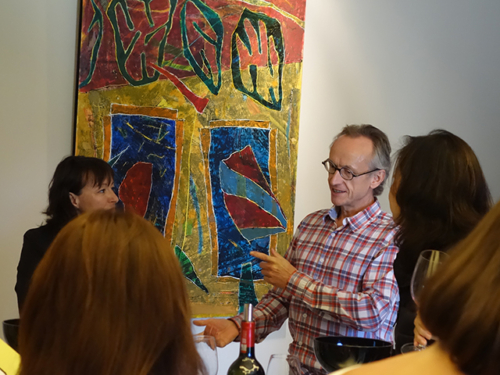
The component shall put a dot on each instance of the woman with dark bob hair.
(108, 298)
(437, 197)
(460, 305)
(79, 184)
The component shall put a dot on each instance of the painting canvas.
(195, 105)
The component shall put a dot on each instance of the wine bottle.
(246, 363)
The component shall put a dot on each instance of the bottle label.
(247, 336)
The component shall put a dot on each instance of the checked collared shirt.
(344, 284)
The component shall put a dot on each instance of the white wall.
(405, 66)
(37, 57)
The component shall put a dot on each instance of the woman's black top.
(35, 244)
(407, 312)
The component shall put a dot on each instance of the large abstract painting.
(195, 104)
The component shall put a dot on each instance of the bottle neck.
(247, 342)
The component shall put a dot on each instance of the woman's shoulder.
(44, 233)
(38, 231)
(394, 365)
(431, 361)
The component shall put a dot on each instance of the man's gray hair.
(381, 148)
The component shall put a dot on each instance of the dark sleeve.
(35, 244)
(403, 270)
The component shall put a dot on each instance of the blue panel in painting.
(136, 138)
(234, 249)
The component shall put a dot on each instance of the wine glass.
(205, 345)
(427, 264)
(283, 364)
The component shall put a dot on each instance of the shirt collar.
(358, 220)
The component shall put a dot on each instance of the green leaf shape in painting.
(188, 269)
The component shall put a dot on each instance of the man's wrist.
(236, 320)
(237, 324)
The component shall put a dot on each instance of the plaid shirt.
(344, 284)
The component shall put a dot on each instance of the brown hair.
(108, 298)
(442, 193)
(461, 304)
(381, 148)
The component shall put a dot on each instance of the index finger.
(260, 255)
(200, 323)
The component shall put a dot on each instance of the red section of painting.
(290, 14)
(199, 103)
(136, 186)
(244, 163)
(247, 214)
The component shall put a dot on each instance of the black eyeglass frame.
(344, 170)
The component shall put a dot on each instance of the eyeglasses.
(345, 172)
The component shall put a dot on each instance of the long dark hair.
(442, 193)
(108, 298)
(70, 176)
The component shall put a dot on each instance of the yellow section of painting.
(230, 104)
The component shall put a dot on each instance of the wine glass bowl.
(428, 263)
(283, 364)
(338, 352)
(207, 349)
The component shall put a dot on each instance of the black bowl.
(337, 352)
(10, 332)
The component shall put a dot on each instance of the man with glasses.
(336, 278)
